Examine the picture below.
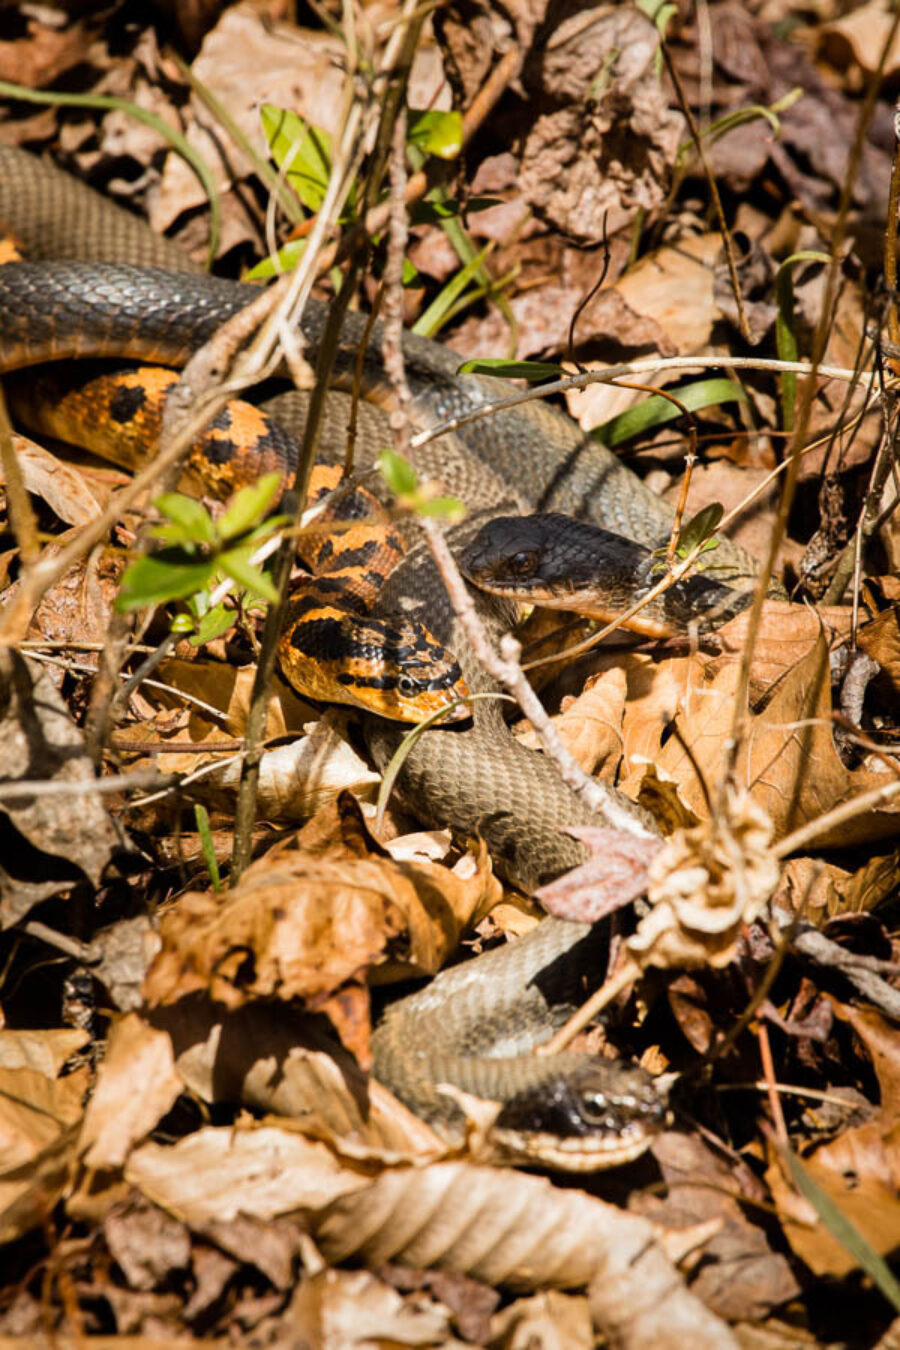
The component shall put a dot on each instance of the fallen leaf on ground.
(136, 1085)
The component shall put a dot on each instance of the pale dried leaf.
(355, 1309)
(615, 875)
(217, 1174)
(136, 1086)
(43, 1051)
(41, 742)
(58, 484)
(271, 1059)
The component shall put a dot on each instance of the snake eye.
(523, 564)
(406, 685)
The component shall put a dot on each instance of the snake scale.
(475, 1024)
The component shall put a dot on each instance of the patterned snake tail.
(475, 778)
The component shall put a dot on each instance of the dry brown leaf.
(44, 1051)
(858, 1170)
(136, 1086)
(614, 876)
(58, 484)
(214, 1175)
(41, 742)
(860, 35)
(880, 639)
(590, 726)
(229, 688)
(272, 1059)
(311, 927)
(788, 760)
(546, 1319)
(353, 1308)
(38, 1119)
(509, 1228)
(295, 780)
(740, 1276)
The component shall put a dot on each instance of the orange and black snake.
(473, 1025)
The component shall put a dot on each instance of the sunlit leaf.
(700, 527)
(167, 575)
(512, 370)
(237, 565)
(398, 473)
(437, 133)
(213, 625)
(285, 260)
(190, 522)
(656, 411)
(447, 508)
(248, 505)
(301, 150)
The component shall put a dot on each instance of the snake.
(474, 1027)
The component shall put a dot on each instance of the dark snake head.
(597, 1116)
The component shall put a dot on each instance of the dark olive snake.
(474, 1025)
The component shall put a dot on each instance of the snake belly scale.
(474, 777)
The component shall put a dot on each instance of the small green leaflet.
(437, 133)
(398, 473)
(285, 260)
(656, 412)
(301, 150)
(189, 521)
(700, 528)
(237, 565)
(248, 505)
(512, 370)
(162, 576)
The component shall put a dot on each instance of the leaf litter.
(190, 1144)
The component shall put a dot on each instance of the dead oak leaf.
(859, 1170)
(300, 926)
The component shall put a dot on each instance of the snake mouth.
(584, 1153)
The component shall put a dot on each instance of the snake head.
(596, 1116)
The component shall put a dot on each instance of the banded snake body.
(475, 1024)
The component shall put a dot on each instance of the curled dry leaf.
(42, 743)
(508, 1228)
(590, 726)
(705, 884)
(60, 485)
(355, 1308)
(858, 1170)
(271, 1058)
(136, 1086)
(295, 780)
(616, 874)
(215, 1174)
(39, 1114)
(310, 927)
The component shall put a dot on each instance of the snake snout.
(599, 1116)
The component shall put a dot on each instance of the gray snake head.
(601, 1115)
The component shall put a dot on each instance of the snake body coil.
(474, 778)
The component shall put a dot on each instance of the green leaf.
(285, 260)
(191, 521)
(301, 150)
(398, 473)
(847, 1234)
(448, 508)
(512, 370)
(237, 565)
(182, 623)
(167, 575)
(213, 624)
(785, 337)
(431, 319)
(206, 843)
(656, 412)
(437, 133)
(436, 208)
(248, 505)
(700, 527)
(410, 273)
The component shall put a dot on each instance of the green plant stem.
(179, 143)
